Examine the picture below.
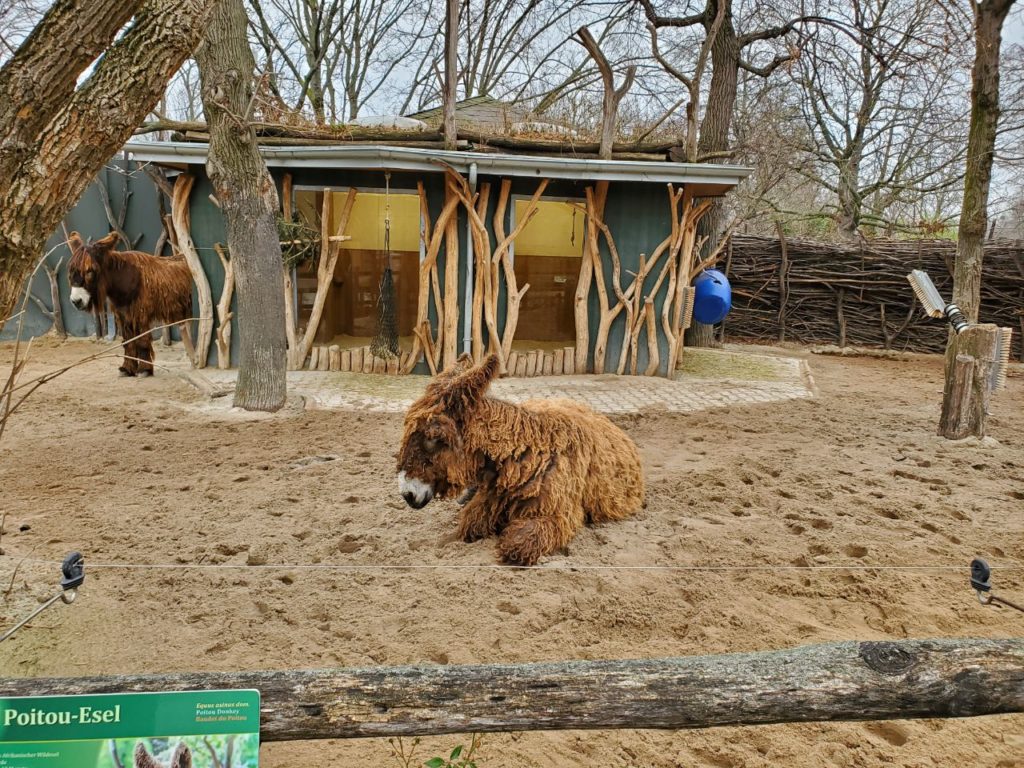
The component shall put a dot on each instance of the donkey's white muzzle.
(80, 297)
(416, 493)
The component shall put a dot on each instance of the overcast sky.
(1014, 30)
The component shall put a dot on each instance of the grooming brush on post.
(935, 306)
(1004, 345)
(688, 300)
(933, 303)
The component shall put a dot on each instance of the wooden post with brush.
(976, 364)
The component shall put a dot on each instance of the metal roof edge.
(396, 158)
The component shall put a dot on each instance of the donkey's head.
(182, 757)
(84, 267)
(432, 460)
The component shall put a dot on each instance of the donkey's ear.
(444, 378)
(490, 368)
(75, 242)
(462, 364)
(107, 241)
(182, 757)
(467, 389)
(142, 758)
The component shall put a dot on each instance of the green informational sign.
(195, 729)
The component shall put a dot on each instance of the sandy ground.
(140, 471)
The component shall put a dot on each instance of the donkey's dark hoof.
(126, 372)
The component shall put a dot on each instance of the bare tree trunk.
(981, 140)
(248, 200)
(714, 140)
(315, 89)
(848, 215)
(48, 158)
(989, 18)
(451, 63)
(612, 95)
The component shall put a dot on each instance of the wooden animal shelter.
(556, 264)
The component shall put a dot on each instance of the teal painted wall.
(638, 217)
(142, 225)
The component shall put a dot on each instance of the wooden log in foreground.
(834, 681)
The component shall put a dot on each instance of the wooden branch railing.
(224, 313)
(491, 266)
(181, 220)
(430, 283)
(678, 249)
(834, 681)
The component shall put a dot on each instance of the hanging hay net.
(385, 341)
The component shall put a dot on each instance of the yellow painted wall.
(553, 230)
(366, 223)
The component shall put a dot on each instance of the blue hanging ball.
(713, 297)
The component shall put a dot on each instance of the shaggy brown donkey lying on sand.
(145, 290)
(537, 471)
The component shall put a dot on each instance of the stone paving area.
(709, 379)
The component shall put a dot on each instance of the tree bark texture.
(848, 213)
(714, 136)
(981, 139)
(68, 133)
(354, 134)
(248, 199)
(834, 681)
(40, 77)
(989, 18)
(968, 388)
(612, 95)
(451, 66)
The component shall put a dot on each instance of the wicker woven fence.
(858, 294)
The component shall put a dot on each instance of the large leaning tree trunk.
(248, 200)
(55, 136)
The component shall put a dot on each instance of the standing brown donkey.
(145, 290)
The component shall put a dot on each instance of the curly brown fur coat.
(145, 290)
(537, 472)
(182, 757)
